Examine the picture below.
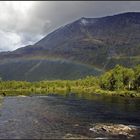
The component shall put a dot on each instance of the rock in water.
(4, 94)
(74, 136)
(114, 129)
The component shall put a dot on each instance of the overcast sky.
(26, 22)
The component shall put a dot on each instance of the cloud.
(25, 22)
(9, 41)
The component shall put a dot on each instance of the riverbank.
(119, 81)
(64, 91)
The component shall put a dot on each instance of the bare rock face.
(114, 129)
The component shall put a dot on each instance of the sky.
(26, 22)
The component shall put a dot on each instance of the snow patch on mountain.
(84, 21)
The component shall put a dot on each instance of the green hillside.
(35, 70)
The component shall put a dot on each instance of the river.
(55, 116)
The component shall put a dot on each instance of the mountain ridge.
(99, 42)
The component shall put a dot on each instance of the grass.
(76, 90)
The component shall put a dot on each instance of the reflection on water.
(56, 116)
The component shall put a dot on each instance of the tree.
(128, 78)
(118, 78)
(137, 77)
(105, 80)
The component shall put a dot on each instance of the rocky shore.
(117, 130)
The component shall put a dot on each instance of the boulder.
(114, 129)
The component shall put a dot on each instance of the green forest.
(120, 81)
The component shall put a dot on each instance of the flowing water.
(55, 116)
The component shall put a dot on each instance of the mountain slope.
(95, 41)
(99, 42)
(35, 70)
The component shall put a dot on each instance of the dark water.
(41, 117)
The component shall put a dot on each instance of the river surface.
(53, 116)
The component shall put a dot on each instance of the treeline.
(119, 80)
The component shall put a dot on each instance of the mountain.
(87, 46)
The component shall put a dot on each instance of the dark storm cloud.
(60, 13)
(27, 22)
